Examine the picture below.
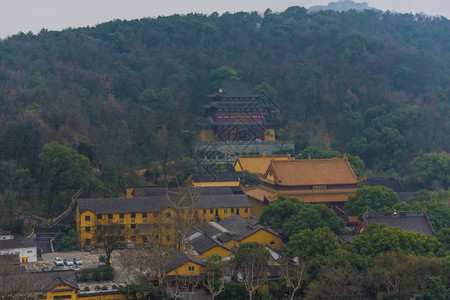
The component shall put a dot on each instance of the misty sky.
(32, 15)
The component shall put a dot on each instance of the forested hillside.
(371, 84)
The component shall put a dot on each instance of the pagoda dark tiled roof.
(243, 105)
(119, 205)
(235, 89)
(17, 243)
(409, 221)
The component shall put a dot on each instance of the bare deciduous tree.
(215, 275)
(108, 236)
(251, 262)
(293, 271)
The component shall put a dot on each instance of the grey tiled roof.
(119, 205)
(214, 177)
(49, 280)
(240, 228)
(409, 221)
(156, 191)
(39, 282)
(162, 199)
(215, 190)
(205, 228)
(178, 258)
(224, 201)
(225, 237)
(203, 243)
(17, 243)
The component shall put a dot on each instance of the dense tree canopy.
(386, 102)
(292, 215)
(433, 170)
(109, 91)
(63, 168)
(370, 198)
(378, 238)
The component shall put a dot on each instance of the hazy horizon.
(24, 16)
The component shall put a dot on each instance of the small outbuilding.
(26, 248)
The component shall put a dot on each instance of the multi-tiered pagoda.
(238, 114)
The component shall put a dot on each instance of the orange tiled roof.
(311, 172)
(260, 192)
(258, 164)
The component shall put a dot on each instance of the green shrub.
(97, 275)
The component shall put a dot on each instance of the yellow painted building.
(240, 230)
(62, 290)
(41, 285)
(180, 263)
(131, 215)
(155, 218)
(230, 233)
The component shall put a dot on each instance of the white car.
(68, 262)
(77, 261)
(58, 261)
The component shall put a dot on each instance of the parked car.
(46, 269)
(147, 245)
(65, 268)
(87, 248)
(77, 261)
(56, 269)
(76, 268)
(68, 262)
(130, 244)
(58, 261)
(120, 247)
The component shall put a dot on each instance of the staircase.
(44, 235)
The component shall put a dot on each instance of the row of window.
(122, 226)
(122, 216)
(132, 238)
(156, 214)
(225, 210)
